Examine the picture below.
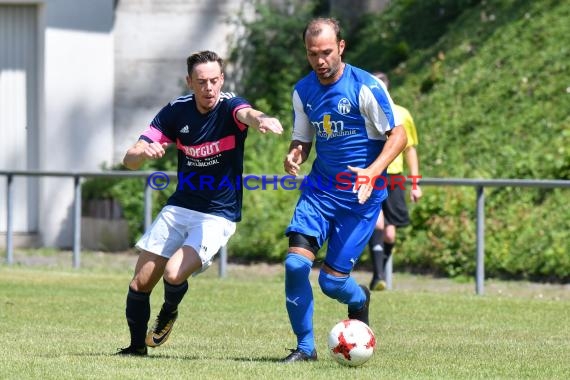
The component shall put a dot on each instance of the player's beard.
(331, 74)
(325, 74)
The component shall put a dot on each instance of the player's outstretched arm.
(142, 151)
(259, 120)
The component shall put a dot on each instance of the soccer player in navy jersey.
(209, 128)
(350, 115)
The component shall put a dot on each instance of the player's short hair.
(203, 57)
(383, 77)
(315, 27)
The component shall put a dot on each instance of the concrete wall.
(77, 128)
(357, 7)
(352, 10)
(153, 38)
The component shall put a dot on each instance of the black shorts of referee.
(394, 207)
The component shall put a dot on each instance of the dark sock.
(387, 253)
(173, 295)
(138, 314)
(375, 245)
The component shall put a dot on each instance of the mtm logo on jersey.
(328, 128)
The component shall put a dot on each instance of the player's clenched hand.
(293, 160)
(154, 150)
(270, 124)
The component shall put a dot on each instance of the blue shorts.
(346, 227)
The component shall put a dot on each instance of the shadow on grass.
(263, 359)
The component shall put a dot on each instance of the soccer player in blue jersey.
(350, 116)
(209, 128)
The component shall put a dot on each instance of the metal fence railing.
(478, 184)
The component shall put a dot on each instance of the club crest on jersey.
(343, 106)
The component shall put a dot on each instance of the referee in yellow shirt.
(394, 209)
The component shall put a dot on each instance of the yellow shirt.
(397, 166)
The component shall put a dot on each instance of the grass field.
(61, 323)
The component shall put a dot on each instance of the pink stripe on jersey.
(208, 149)
(242, 127)
(156, 135)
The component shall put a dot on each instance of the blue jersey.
(348, 121)
(210, 153)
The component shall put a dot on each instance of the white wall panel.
(18, 110)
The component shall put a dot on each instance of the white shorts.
(175, 227)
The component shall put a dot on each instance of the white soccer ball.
(351, 342)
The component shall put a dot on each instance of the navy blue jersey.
(210, 153)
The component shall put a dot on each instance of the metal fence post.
(223, 268)
(480, 255)
(9, 219)
(389, 269)
(147, 206)
(77, 222)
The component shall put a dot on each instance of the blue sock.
(343, 289)
(299, 300)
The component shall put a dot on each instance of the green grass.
(57, 322)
